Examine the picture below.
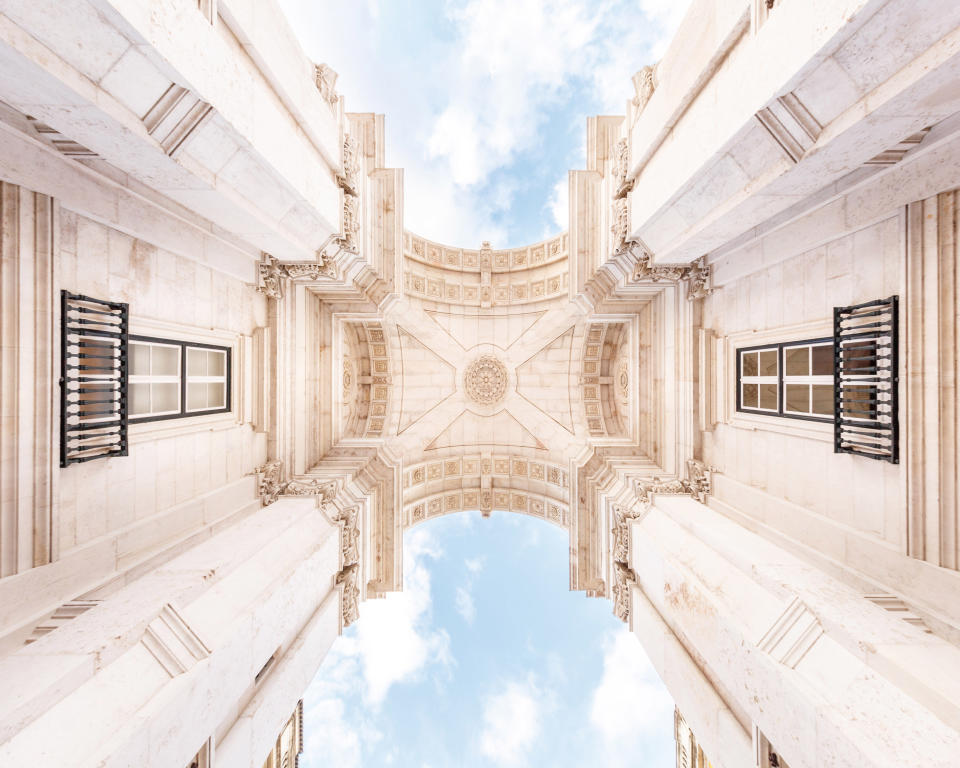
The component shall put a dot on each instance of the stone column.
(27, 379)
(931, 407)
(824, 674)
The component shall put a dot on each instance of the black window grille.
(93, 378)
(866, 372)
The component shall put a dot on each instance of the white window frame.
(780, 380)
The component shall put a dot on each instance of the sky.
(487, 659)
(485, 100)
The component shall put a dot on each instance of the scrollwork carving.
(326, 490)
(273, 274)
(700, 280)
(350, 606)
(271, 484)
(697, 274)
(700, 479)
(326, 79)
(623, 579)
(621, 169)
(349, 181)
(644, 84)
(350, 537)
(349, 241)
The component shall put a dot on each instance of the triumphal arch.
(232, 378)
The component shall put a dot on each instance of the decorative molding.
(272, 485)
(209, 10)
(623, 517)
(175, 117)
(326, 80)
(173, 643)
(790, 125)
(350, 602)
(896, 606)
(273, 274)
(65, 613)
(895, 154)
(698, 274)
(63, 145)
(349, 180)
(792, 635)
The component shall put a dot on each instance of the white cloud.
(475, 564)
(330, 735)
(512, 720)
(630, 706)
(560, 203)
(464, 604)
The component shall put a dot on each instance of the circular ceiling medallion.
(485, 380)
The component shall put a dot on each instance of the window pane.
(768, 363)
(768, 394)
(216, 363)
(196, 397)
(166, 361)
(798, 398)
(139, 398)
(823, 399)
(166, 397)
(215, 395)
(858, 402)
(196, 362)
(139, 359)
(749, 362)
(749, 398)
(823, 360)
(796, 361)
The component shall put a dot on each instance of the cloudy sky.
(487, 659)
(485, 100)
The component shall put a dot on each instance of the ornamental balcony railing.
(93, 378)
(866, 379)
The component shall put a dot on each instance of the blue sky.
(485, 100)
(487, 659)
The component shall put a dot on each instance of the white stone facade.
(171, 604)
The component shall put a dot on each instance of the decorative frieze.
(273, 274)
(272, 486)
(698, 274)
(350, 535)
(623, 580)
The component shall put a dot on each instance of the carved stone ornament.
(623, 578)
(485, 380)
(349, 240)
(644, 489)
(621, 224)
(351, 594)
(621, 168)
(644, 84)
(700, 280)
(350, 536)
(271, 484)
(326, 83)
(273, 274)
(700, 479)
(622, 517)
(325, 489)
(349, 181)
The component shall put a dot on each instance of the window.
(794, 379)
(172, 379)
